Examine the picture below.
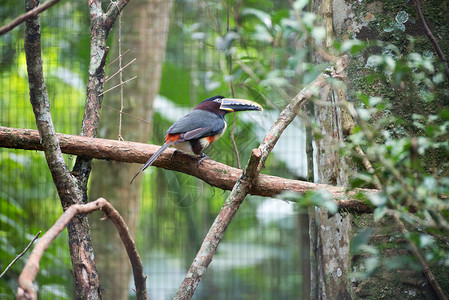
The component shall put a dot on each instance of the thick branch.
(28, 15)
(26, 287)
(242, 188)
(212, 172)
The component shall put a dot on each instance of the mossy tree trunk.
(144, 28)
(369, 20)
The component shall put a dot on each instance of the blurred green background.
(260, 256)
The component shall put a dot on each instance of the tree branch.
(422, 261)
(26, 288)
(212, 172)
(65, 183)
(432, 38)
(113, 11)
(28, 15)
(71, 189)
(101, 24)
(243, 185)
(20, 254)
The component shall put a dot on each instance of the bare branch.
(417, 253)
(65, 183)
(214, 173)
(28, 15)
(117, 85)
(26, 288)
(120, 69)
(243, 185)
(20, 254)
(432, 38)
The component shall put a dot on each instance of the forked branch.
(245, 181)
(26, 288)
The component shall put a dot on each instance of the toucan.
(198, 129)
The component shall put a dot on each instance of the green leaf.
(299, 5)
(379, 213)
(378, 199)
(261, 15)
(318, 33)
(360, 241)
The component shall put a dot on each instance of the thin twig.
(120, 138)
(120, 69)
(118, 58)
(115, 86)
(432, 38)
(30, 14)
(21, 254)
(127, 114)
(236, 150)
(231, 84)
(242, 188)
(26, 288)
(417, 253)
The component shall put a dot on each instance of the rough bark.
(72, 187)
(333, 234)
(331, 238)
(144, 32)
(84, 269)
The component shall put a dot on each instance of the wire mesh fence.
(260, 256)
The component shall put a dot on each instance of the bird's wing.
(198, 124)
(197, 133)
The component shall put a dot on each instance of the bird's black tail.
(152, 158)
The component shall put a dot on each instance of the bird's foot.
(173, 154)
(202, 157)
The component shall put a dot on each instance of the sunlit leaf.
(261, 15)
(299, 5)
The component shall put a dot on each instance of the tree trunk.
(330, 243)
(330, 236)
(144, 27)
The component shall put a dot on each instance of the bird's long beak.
(230, 104)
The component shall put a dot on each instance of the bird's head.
(221, 105)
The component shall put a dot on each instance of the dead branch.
(26, 288)
(432, 38)
(28, 15)
(212, 172)
(20, 254)
(243, 185)
(422, 261)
